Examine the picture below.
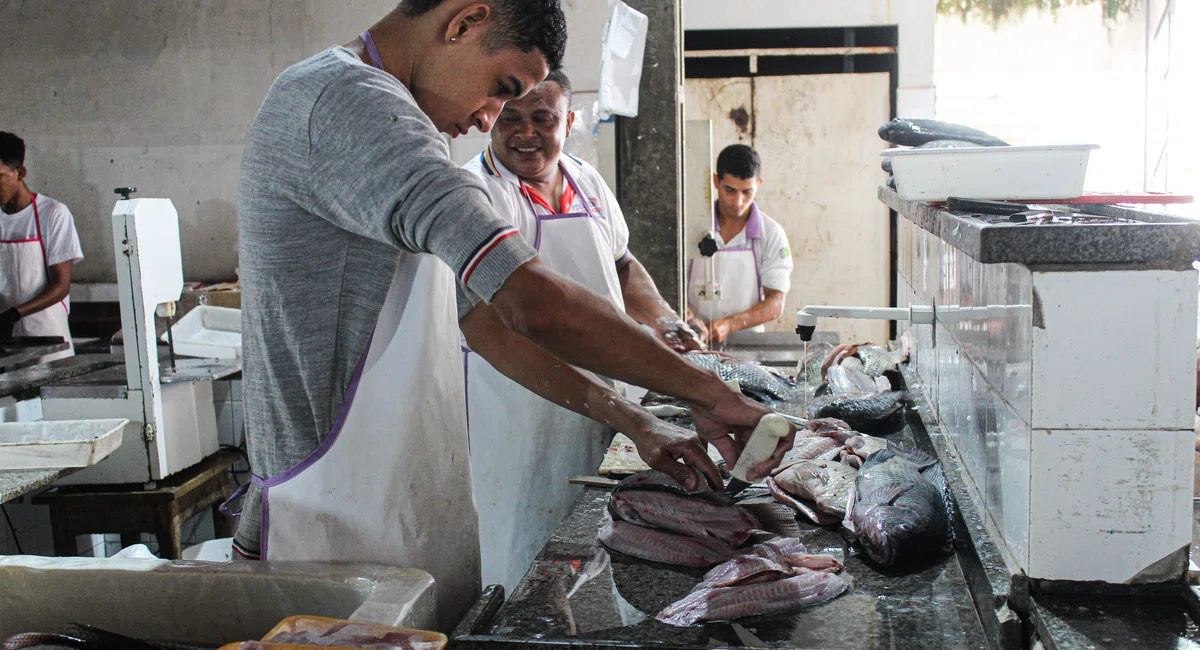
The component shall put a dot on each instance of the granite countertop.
(17, 483)
(578, 594)
(1159, 240)
(14, 354)
(29, 380)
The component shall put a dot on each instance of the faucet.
(806, 319)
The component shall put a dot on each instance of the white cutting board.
(58, 444)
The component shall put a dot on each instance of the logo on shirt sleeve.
(784, 253)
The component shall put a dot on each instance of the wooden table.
(131, 510)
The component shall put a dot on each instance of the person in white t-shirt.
(38, 248)
(564, 209)
(753, 261)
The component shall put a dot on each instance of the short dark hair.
(523, 24)
(12, 150)
(739, 160)
(559, 77)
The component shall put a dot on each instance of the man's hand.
(699, 328)
(8, 320)
(670, 449)
(728, 423)
(720, 330)
(676, 334)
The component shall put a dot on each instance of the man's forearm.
(761, 313)
(584, 329)
(643, 302)
(519, 359)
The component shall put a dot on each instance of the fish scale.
(754, 379)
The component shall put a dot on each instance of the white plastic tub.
(1019, 172)
(209, 332)
(58, 444)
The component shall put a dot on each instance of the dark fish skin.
(683, 515)
(661, 546)
(755, 380)
(900, 507)
(861, 412)
(916, 132)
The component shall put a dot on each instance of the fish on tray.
(900, 508)
(862, 411)
(756, 380)
(769, 578)
(818, 490)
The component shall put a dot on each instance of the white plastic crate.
(58, 444)
(209, 332)
(1016, 172)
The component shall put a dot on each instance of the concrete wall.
(160, 95)
(914, 18)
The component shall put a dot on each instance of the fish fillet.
(684, 515)
(730, 603)
(660, 546)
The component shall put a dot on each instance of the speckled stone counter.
(579, 595)
(14, 484)
(29, 380)
(1159, 240)
(14, 355)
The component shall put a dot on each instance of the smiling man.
(564, 209)
(355, 230)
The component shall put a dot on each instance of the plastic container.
(209, 332)
(58, 444)
(1017, 172)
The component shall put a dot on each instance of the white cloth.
(25, 257)
(389, 483)
(757, 258)
(524, 448)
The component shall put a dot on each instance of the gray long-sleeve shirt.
(342, 174)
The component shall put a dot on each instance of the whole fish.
(916, 132)
(755, 380)
(876, 360)
(732, 603)
(824, 484)
(661, 546)
(900, 508)
(846, 378)
(684, 515)
(808, 370)
(861, 411)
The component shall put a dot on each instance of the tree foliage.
(995, 11)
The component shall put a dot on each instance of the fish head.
(886, 532)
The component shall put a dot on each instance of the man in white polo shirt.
(753, 261)
(524, 448)
(38, 248)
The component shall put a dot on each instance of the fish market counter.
(577, 594)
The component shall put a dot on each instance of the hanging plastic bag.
(621, 67)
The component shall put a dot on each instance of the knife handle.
(761, 445)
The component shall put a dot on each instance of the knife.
(759, 448)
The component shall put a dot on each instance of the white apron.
(24, 273)
(524, 448)
(390, 483)
(737, 279)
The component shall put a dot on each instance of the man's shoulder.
(51, 207)
(771, 227)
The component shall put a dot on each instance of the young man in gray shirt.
(355, 229)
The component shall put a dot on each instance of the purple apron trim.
(753, 228)
(757, 277)
(372, 51)
(224, 507)
(317, 454)
(537, 240)
(264, 532)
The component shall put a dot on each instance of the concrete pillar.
(650, 149)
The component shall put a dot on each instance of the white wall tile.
(1080, 380)
(1105, 505)
(1012, 515)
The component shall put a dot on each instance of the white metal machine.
(172, 418)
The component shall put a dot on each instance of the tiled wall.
(1095, 460)
(227, 398)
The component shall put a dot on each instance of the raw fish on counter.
(901, 507)
(770, 578)
(859, 448)
(87, 637)
(657, 519)
(862, 411)
(817, 489)
(756, 380)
